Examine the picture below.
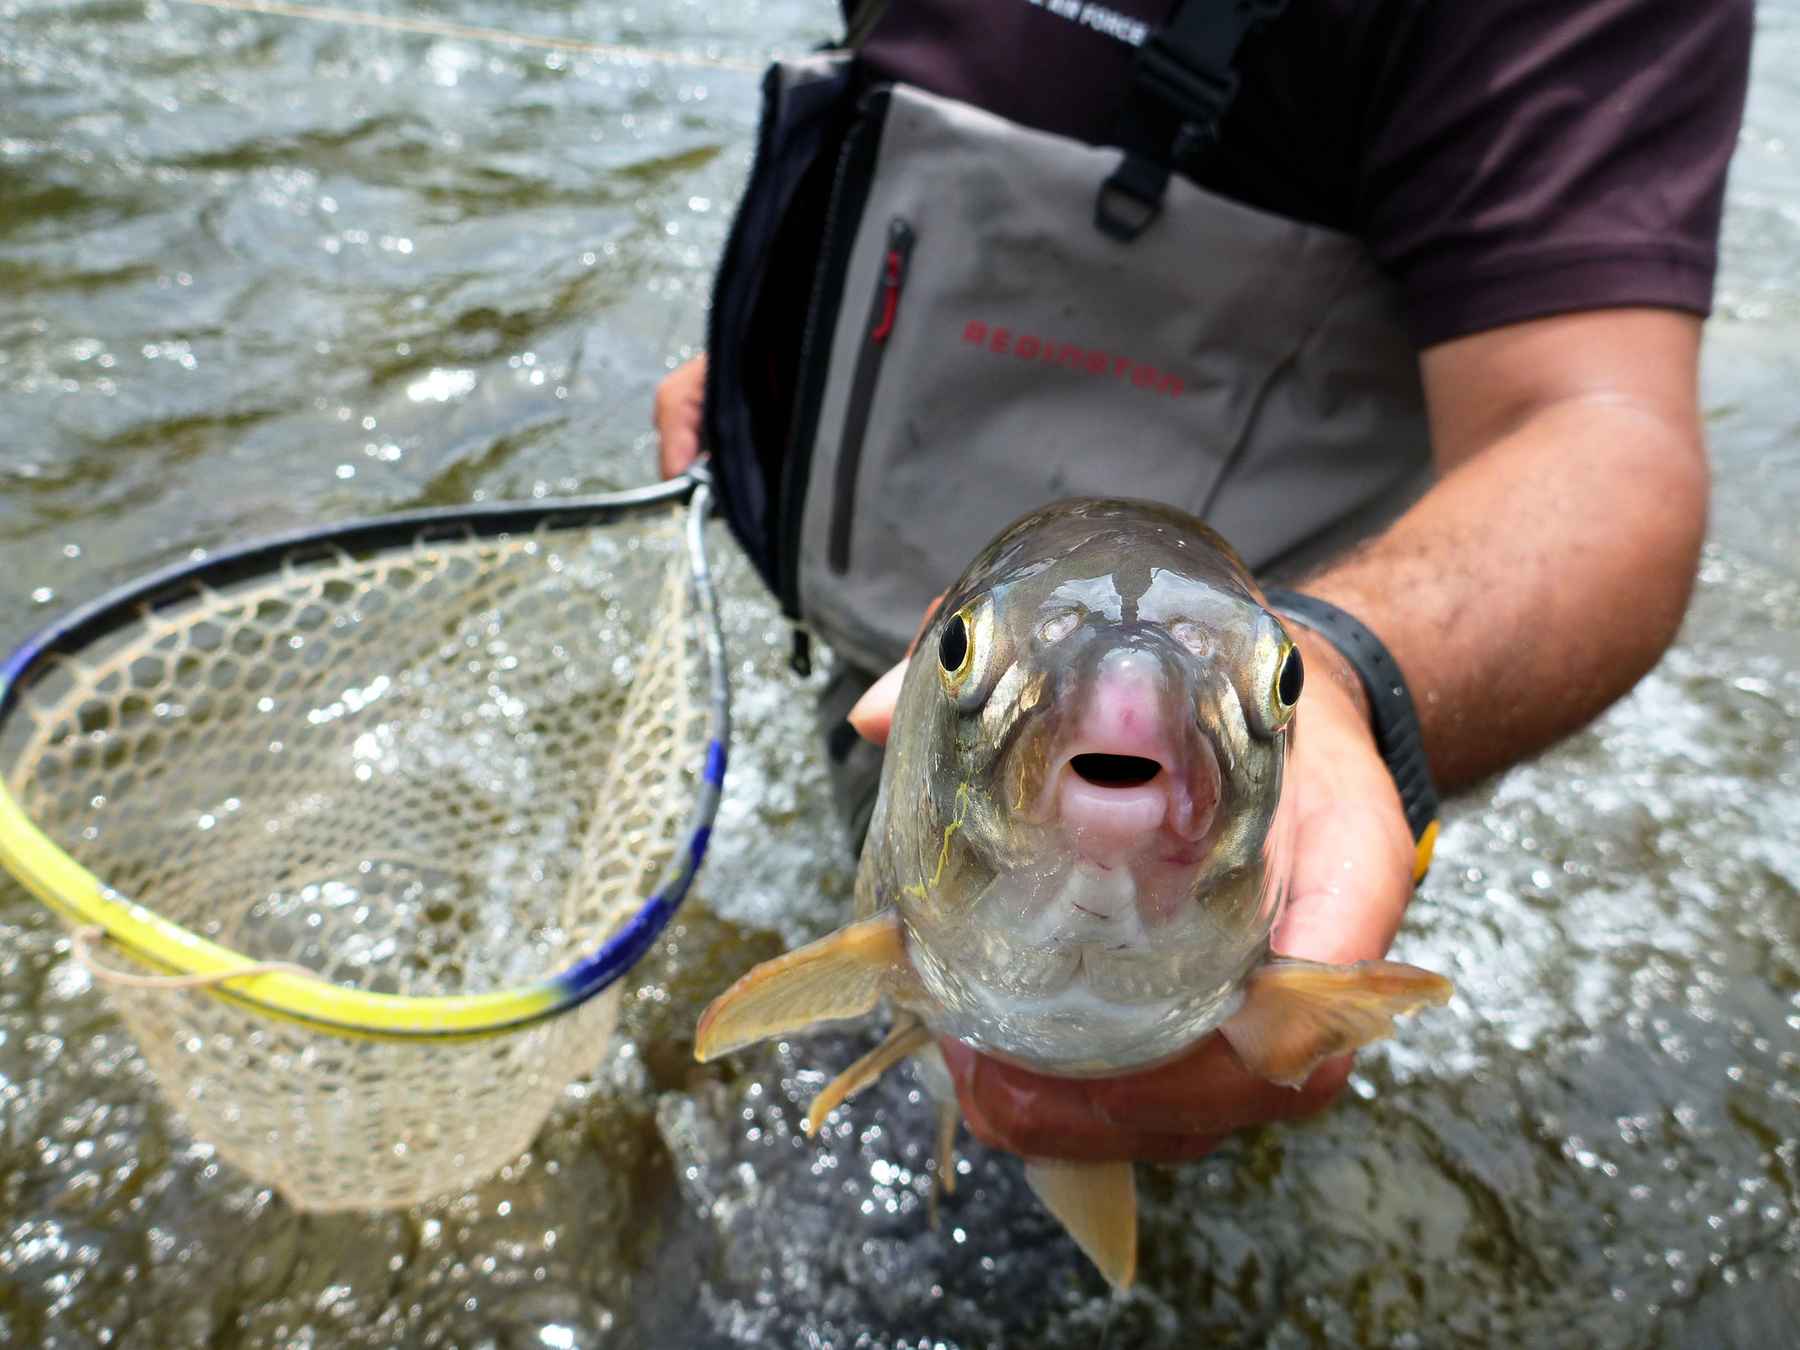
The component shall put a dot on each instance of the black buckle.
(1131, 198)
(1200, 96)
(1187, 68)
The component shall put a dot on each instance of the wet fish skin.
(964, 845)
(1081, 845)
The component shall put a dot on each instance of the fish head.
(1081, 820)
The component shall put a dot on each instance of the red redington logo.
(1070, 356)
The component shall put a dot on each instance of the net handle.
(620, 952)
(67, 887)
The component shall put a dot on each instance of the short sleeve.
(1524, 158)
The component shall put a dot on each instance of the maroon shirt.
(1502, 159)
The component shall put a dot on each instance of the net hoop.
(70, 889)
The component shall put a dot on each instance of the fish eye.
(1290, 679)
(954, 648)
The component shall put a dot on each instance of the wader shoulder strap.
(860, 18)
(1181, 85)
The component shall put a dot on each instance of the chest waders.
(999, 317)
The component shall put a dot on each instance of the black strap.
(860, 18)
(1182, 83)
(1391, 712)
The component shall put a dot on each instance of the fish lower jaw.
(1110, 825)
(1123, 789)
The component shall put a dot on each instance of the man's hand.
(1351, 883)
(676, 416)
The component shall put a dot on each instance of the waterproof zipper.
(883, 307)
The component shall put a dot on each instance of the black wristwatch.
(1396, 721)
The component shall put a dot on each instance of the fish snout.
(1134, 770)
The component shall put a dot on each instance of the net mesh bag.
(443, 769)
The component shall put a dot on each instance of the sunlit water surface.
(258, 272)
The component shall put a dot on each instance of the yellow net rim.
(71, 890)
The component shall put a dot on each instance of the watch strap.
(1391, 712)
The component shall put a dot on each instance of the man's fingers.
(1352, 877)
(1031, 1125)
(1021, 1112)
(677, 452)
(1211, 1093)
(1350, 888)
(1181, 1110)
(675, 413)
(873, 713)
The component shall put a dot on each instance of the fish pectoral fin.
(1299, 1013)
(907, 1035)
(1097, 1203)
(841, 975)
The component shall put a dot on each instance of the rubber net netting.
(444, 769)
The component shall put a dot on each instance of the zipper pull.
(800, 657)
(900, 241)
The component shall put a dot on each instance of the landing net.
(452, 770)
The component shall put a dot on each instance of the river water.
(258, 272)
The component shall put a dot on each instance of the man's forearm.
(1538, 579)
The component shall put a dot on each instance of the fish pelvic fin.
(841, 975)
(1297, 1014)
(908, 1034)
(934, 1077)
(949, 1118)
(1097, 1203)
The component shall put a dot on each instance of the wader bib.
(975, 344)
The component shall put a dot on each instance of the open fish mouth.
(1133, 778)
(1114, 807)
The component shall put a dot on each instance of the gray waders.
(974, 347)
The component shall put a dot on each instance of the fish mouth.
(1119, 771)
(1148, 802)
(1134, 777)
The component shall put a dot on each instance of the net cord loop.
(83, 941)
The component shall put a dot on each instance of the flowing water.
(257, 272)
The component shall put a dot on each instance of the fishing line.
(609, 51)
